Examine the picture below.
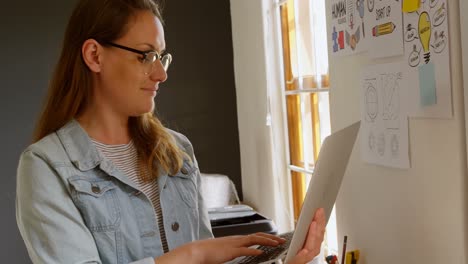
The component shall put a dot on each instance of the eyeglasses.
(149, 58)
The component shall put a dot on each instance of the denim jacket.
(74, 206)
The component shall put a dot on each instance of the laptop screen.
(325, 182)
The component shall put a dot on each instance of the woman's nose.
(158, 74)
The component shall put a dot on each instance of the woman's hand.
(313, 241)
(219, 250)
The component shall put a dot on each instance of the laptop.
(322, 192)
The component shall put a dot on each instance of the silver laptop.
(322, 192)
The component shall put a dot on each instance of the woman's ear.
(92, 55)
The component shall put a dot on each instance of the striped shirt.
(125, 158)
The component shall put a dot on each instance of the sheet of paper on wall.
(427, 59)
(384, 118)
(346, 30)
(384, 26)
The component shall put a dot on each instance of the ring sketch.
(372, 102)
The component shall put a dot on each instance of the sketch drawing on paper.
(370, 5)
(440, 42)
(381, 144)
(371, 141)
(372, 102)
(391, 97)
(384, 119)
(411, 33)
(395, 146)
(414, 57)
(439, 16)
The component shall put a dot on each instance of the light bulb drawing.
(425, 34)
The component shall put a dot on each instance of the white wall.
(405, 216)
(393, 216)
(464, 43)
(258, 77)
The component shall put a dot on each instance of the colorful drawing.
(335, 40)
(338, 40)
(353, 39)
(425, 34)
(430, 90)
(346, 29)
(411, 5)
(383, 29)
(360, 8)
(341, 40)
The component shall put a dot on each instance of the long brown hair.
(70, 88)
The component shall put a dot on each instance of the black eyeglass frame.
(143, 53)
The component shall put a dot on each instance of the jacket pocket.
(97, 201)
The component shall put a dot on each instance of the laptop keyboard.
(269, 253)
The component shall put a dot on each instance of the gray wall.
(197, 100)
(199, 97)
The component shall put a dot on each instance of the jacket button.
(184, 171)
(95, 189)
(175, 226)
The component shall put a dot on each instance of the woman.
(105, 181)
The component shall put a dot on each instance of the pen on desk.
(344, 250)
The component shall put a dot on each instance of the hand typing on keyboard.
(224, 249)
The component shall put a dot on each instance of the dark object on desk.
(332, 259)
(243, 225)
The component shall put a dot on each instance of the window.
(305, 57)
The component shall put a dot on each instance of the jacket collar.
(84, 154)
